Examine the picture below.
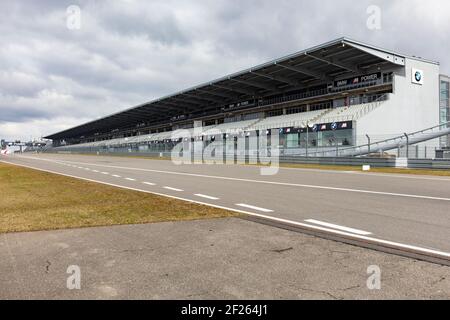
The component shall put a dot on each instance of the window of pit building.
(294, 110)
(388, 77)
(274, 113)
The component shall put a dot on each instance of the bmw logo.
(334, 126)
(418, 76)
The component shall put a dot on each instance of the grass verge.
(32, 200)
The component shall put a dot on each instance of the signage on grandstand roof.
(240, 104)
(334, 126)
(357, 80)
(318, 127)
(417, 76)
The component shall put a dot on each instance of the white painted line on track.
(368, 174)
(149, 183)
(96, 171)
(396, 245)
(130, 179)
(261, 181)
(338, 227)
(105, 173)
(206, 196)
(173, 189)
(248, 206)
(116, 176)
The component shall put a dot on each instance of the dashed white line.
(149, 183)
(392, 244)
(105, 173)
(206, 196)
(130, 179)
(95, 171)
(265, 181)
(248, 206)
(116, 176)
(338, 227)
(173, 189)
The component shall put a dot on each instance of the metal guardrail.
(374, 162)
(435, 164)
(389, 144)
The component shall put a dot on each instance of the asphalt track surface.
(403, 214)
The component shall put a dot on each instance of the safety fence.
(374, 161)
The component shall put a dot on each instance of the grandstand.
(287, 121)
(335, 94)
(348, 113)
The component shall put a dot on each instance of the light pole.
(307, 137)
(337, 146)
(368, 144)
(407, 144)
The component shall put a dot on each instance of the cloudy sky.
(54, 75)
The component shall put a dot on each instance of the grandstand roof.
(302, 69)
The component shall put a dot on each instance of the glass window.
(274, 113)
(328, 138)
(443, 115)
(312, 139)
(387, 77)
(320, 106)
(292, 140)
(296, 110)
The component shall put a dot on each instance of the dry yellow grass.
(32, 200)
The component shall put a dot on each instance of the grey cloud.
(19, 115)
(156, 24)
(129, 52)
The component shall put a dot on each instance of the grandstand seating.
(235, 126)
(349, 113)
(286, 121)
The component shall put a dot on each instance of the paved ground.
(211, 259)
(405, 209)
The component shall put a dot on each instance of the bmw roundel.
(334, 126)
(418, 76)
